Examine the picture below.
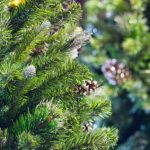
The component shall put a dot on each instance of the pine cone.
(87, 88)
(65, 5)
(87, 127)
(115, 72)
(40, 49)
(42, 124)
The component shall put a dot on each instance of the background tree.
(119, 54)
(43, 89)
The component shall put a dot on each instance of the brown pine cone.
(115, 72)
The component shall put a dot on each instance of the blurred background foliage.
(119, 55)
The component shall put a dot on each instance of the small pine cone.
(92, 85)
(40, 49)
(115, 72)
(40, 126)
(81, 90)
(87, 127)
(65, 6)
(87, 88)
(49, 119)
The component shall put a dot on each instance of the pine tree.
(119, 54)
(43, 104)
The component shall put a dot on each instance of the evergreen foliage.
(39, 108)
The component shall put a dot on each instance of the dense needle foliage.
(39, 105)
